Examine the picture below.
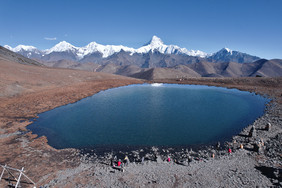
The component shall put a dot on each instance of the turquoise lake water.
(150, 115)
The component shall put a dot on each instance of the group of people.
(118, 164)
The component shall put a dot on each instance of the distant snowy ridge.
(94, 52)
(156, 44)
(25, 50)
(21, 48)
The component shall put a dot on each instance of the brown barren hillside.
(19, 79)
(6, 54)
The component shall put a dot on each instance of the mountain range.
(154, 60)
(163, 55)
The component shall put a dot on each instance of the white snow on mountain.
(105, 50)
(8, 47)
(155, 44)
(21, 48)
(228, 50)
(27, 50)
(198, 53)
(223, 51)
(61, 47)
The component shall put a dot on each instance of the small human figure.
(213, 155)
(119, 163)
(261, 142)
(189, 159)
(142, 160)
(252, 132)
(241, 146)
(268, 127)
(126, 161)
(257, 147)
(218, 145)
(229, 150)
(168, 159)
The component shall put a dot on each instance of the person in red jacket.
(119, 163)
(168, 159)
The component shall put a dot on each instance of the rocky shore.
(243, 167)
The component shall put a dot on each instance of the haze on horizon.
(253, 27)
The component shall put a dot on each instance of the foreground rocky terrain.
(27, 90)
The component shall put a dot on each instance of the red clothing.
(119, 163)
(229, 150)
(168, 159)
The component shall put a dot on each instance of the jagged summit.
(157, 45)
(155, 41)
(226, 50)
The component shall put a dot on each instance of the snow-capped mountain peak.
(8, 47)
(225, 50)
(91, 45)
(20, 48)
(61, 47)
(228, 55)
(25, 48)
(222, 52)
(155, 41)
(156, 44)
(105, 50)
(228, 50)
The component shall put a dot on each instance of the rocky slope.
(8, 55)
(260, 68)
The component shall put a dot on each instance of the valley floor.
(69, 168)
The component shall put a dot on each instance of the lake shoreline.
(58, 162)
(183, 112)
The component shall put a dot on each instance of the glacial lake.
(165, 115)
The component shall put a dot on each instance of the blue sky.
(251, 26)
